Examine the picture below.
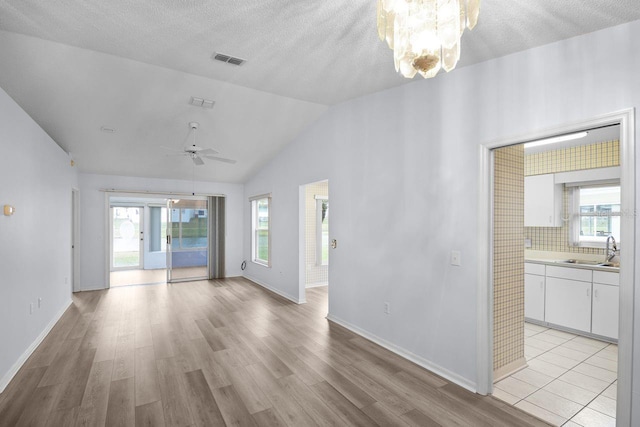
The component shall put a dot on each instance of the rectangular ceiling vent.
(228, 59)
(201, 102)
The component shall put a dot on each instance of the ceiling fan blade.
(220, 159)
(208, 151)
(197, 160)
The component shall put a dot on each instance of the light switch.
(455, 258)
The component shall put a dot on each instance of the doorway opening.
(165, 239)
(315, 243)
(555, 283)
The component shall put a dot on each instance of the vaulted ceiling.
(77, 66)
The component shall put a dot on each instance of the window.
(260, 235)
(596, 214)
(158, 228)
(322, 231)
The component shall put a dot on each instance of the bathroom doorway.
(315, 242)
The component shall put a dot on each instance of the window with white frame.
(260, 230)
(596, 214)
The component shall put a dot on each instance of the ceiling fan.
(197, 153)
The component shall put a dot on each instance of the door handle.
(595, 293)
(168, 240)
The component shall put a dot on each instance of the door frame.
(75, 240)
(302, 239)
(626, 120)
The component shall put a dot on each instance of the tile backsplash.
(600, 155)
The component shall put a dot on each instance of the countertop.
(559, 263)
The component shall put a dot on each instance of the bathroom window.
(595, 215)
(260, 230)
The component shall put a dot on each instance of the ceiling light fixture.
(555, 139)
(425, 34)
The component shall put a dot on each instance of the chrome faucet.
(611, 250)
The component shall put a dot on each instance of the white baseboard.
(436, 369)
(276, 291)
(91, 288)
(6, 379)
(316, 285)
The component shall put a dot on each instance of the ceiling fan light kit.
(425, 34)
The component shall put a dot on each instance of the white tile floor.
(570, 381)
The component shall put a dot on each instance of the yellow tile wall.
(508, 256)
(315, 274)
(600, 155)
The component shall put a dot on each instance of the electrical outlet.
(456, 258)
(387, 308)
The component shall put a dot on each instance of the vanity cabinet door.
(534, 297)
(568, 303)
(606, 299)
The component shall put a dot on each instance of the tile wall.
(600, 155)
(508, 257)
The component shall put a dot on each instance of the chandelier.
(425, 34)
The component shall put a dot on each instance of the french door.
(127, 234)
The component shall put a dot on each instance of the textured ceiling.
(134, 64)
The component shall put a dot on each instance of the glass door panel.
(127, 237)
(187, 240)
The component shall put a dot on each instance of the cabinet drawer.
(580, 274)
(606, 277)
(531, 268)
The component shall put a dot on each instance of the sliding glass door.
(187, 239)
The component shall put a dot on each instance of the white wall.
(403, 166)
(35, 254)
(93, 260)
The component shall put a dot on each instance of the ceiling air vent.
(228, 59)
(201, 102)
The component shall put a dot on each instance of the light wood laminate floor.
(227, 352)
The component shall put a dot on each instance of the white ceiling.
(133, 65)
